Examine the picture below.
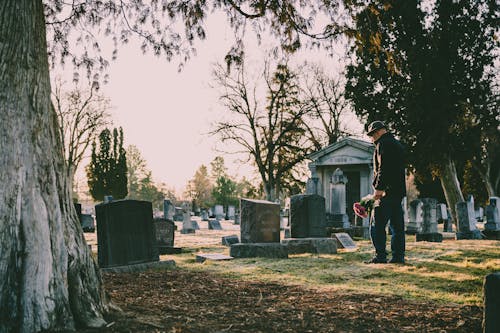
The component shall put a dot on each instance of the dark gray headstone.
(252, 250)
(204, 215)
(260, 221)
(467, 228)
(214, 225)
(168, 210)
(178, 214)
(491, 317)
(195, 225)
(492, 226)
(230, 240)
(415, 217)
(307, 216)
(125, 233)
(164, 232)
(429, 231)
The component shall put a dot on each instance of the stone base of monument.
(187, 231)
(139, 267)
(230, 240)
(361, 232)
(492, 234)
(449, 235)
(333, 230)
(252, 250)
(202, 257)
(475, 234)
(169, 250)
(310, 245)
(435, 237)
(410, 230)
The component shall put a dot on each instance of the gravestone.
(178, 214)
(444, 218)
(165, 236)
(214, 225)
(260, 221)
(479, 212)
(311, 245)
(237, 219)
(344, 241)
(195, 225)
(467, 228)
(312, 186)
(187, 224)
(202, 257)
(204, 215)
(230, 240)
(415, 217)
(338, 217)
(219, 212)
(492, 225)
(231, 211)
(168, 210)
(307, 216)
(491, 314)
(429, 231)
(125, 233)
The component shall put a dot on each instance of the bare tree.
(268, 129)
(82, 114)
(329, 112)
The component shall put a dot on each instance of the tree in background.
(426, 72)
(107, 171)
(199, 189)
(82, 114)
(140, 181)
(270, 132)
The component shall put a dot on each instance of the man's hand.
(378, 194)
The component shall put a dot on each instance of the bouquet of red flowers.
(364, 207)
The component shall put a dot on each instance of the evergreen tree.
(107, 171)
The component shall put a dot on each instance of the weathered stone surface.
(185, 231)
(310, 245)
(344, 241)
(214, 225)
(168, 210)
(169, 250)
(492, 226)
(429, 216)
(125, 233)
(164, 230)
(219, 212)
(307, 216)
(260, 221)
(230, 240)
(430, 237)
(491, 289)
(139, 267)
(252, 250)
(202, 257)
(467, 228)
(415, 218)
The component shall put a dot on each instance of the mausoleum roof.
(362, 145)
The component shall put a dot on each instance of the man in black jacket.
(389, 190)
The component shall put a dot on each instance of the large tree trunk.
(451, 186)
(48, 278)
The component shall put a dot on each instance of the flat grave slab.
(139, 267)
(265, 250)
(202, 257)
(345, 241)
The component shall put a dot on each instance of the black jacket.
(389, 166)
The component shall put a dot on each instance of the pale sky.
(167, 114)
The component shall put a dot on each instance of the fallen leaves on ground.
(182, 301)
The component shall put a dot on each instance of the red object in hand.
(359, 210)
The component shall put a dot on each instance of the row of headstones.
(172, 213)
(426, 213)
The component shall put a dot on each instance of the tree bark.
(451, 187)
(48, 278)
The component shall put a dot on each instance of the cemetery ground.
(438, 290)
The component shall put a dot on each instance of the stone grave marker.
(345, 241)
(230, 240)
(165, 231)
(307, 216)
(204, 215)
(125, 233)
(178, 214)
(491, 314)
(252, 250)
(214, 225)
(237, 219)
(231, 211)
(187, 223)
(168, 210)
(429, 231)
(338, 217)
(202, 257)
(492, 225)
(260, 221)
(415, 218)
(219, 212)
(310, 245)
(467, 228)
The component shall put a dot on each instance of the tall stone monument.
(467, 228)
(429, 232)
(338, 217)
(168, 210)
(492, 225)
(307, 216)
(415, 218)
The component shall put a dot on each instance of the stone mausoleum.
(353, 157)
